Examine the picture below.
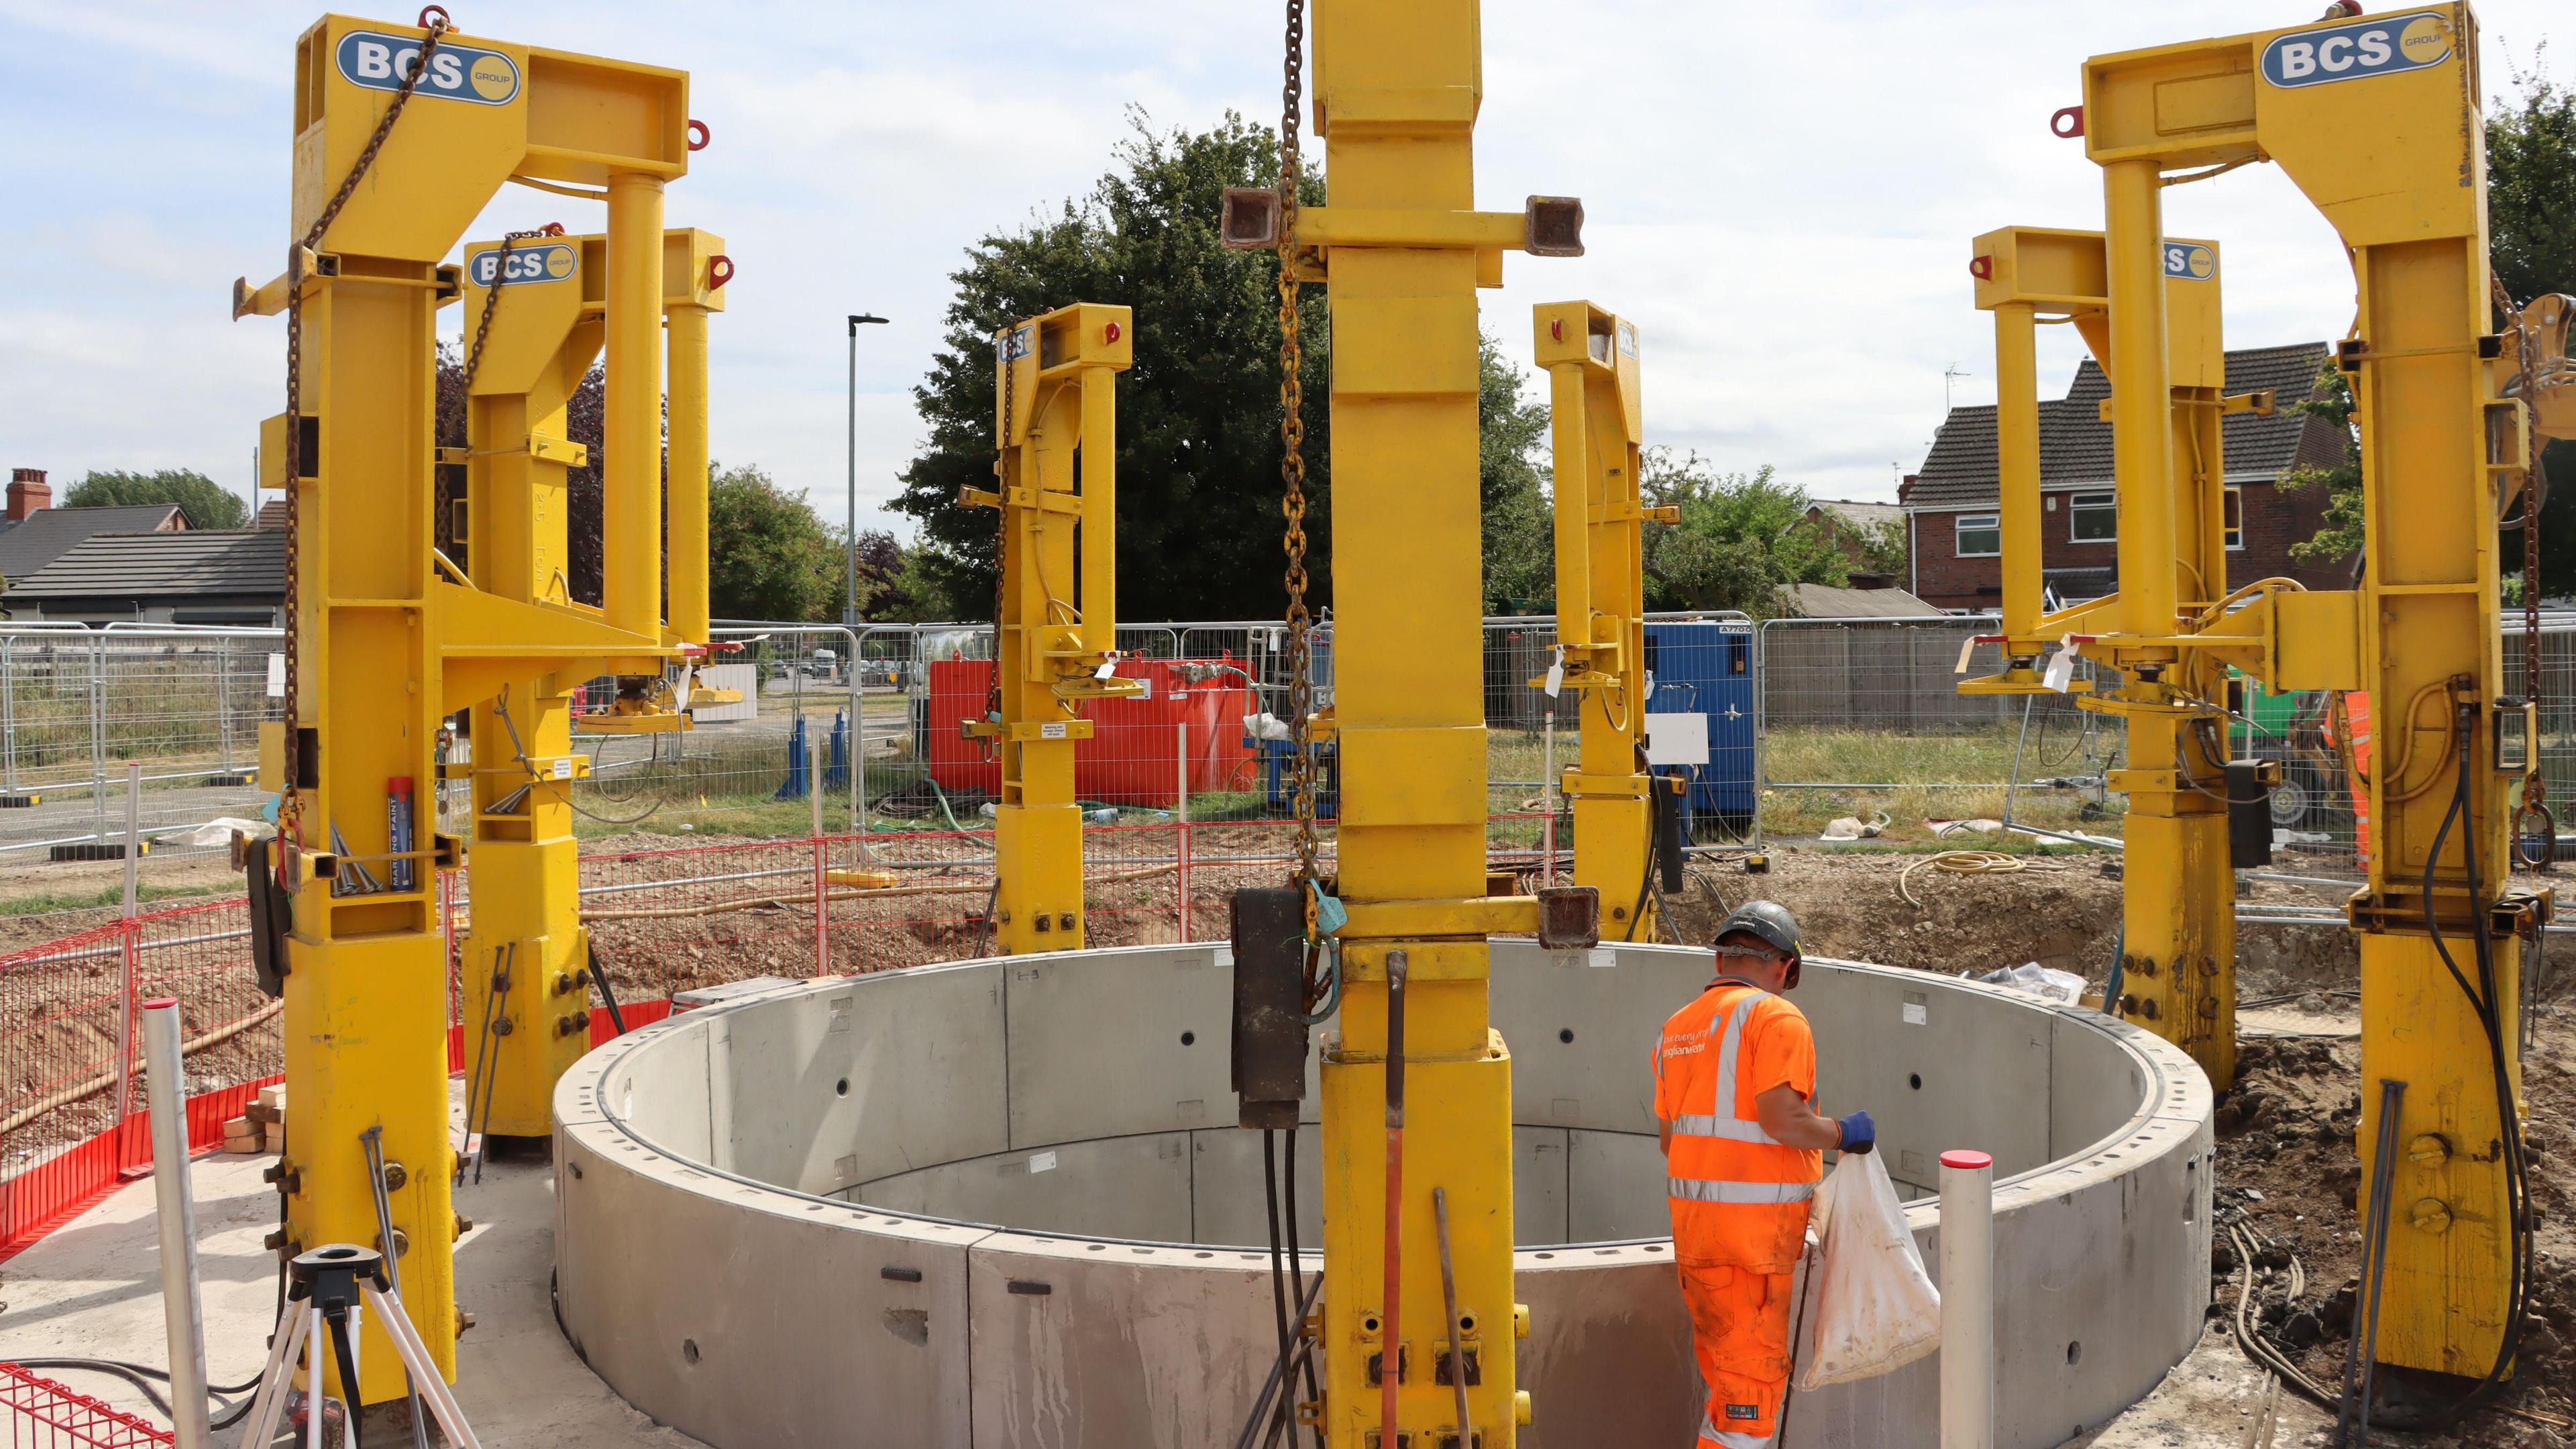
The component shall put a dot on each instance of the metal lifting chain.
(2535, 785)
(1292, 461)
(492, 298)
(290, 797)
(1004, 358)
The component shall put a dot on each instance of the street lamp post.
(850, 578)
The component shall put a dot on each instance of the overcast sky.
(1782, 196)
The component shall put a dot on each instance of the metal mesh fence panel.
(37, 1413)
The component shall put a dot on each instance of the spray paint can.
(398, 830)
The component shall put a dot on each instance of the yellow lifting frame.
(1402, 249)
(1055, 388)
(2377, 122)
(2179, 941)
(385, 648)
(1592, 363)
(546, 329)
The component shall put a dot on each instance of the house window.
(2093, 517)
(2235, 518)
(1980, 535)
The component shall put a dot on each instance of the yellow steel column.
(1396, 93)
(1592, 363)
(631, 482)
(523, 867)
(2017, 458)
(2141, 446)
(1055, 391)
(687, 329)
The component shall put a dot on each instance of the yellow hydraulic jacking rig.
(1417, 1325)
(534, 310)
(403, 134)
(2178, 954)
(1055, 389)
(2376, 120)
(1592, 362)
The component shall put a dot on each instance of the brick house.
(1957, 539)
(1849, 524)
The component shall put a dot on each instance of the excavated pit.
(1001, 1203)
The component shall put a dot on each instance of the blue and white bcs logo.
(456, 72)
(2386, 46)
(546, 262)
(2190, 261)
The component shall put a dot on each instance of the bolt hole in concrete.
(689, 1350)
(2075, 1353)
(1073, 1135)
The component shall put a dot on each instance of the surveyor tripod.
(328, 1291)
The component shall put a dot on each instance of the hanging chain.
(1292, 459)
(2535, 785)
(1008, 361)
(290, 798)
(492, 298)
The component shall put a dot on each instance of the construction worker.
(1735, 1077)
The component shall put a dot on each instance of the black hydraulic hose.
(1278, 1280)
(1645, 876)
(1296, 1267)
(143, 1376)
(607, 993)
(1280, 1369)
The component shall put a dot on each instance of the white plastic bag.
(1876, 1309)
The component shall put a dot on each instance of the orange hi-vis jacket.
(1739, 1197)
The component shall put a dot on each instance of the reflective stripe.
(1692, 1189)
(1725, 1103)
(1709, 1433)
(1728, 1129)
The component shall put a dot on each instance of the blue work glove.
(1859, 1133)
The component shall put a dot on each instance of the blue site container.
(1705, 666)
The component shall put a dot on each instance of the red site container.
(1132, 757)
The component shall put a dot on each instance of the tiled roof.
(45, 534)
(272, 514)
(1864, 514)
(192, 563)
(1824, 601)
(2075, 444)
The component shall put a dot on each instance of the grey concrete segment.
(2102, 1133)
(1115, 1344)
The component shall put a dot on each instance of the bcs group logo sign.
(2190, 261)
(547, 262)
(456, 72)
(2386, 46)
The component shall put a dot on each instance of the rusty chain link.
(290, 797)
(492, 298)
(1292, 462)
(2535, 785)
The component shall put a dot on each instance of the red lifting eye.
(2067, 123)
(699, 136)
(1983, 269)
(719, 270)
(1110, 332)
(1556, 330)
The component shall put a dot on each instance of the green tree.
(1886, 546)
(207, 503)
(768, 554)
(2338, 535)
(1198, 427)
(2531, 210)
(1734, 547)
(1520, 522)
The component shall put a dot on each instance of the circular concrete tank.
(1002, 1203)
